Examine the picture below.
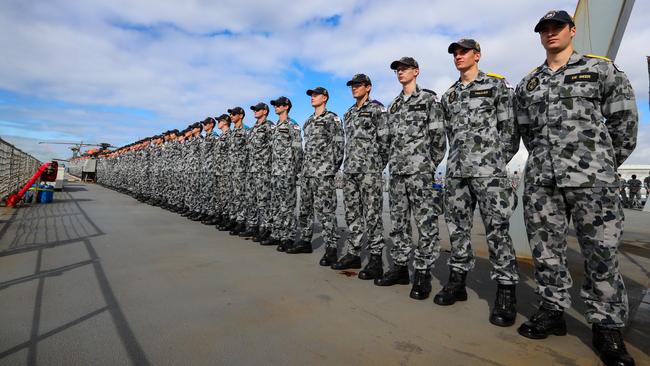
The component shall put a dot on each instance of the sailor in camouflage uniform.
(222, 171)
(366, 155)
(483, 138)
(208, 176)
(286, 162)
(194, 162)
(183, 171)
(578, 119)
(417, 146)
(259, 175)
(238, 161)
(156, 184)
(323, 155)
(177, 169)
(168, 167)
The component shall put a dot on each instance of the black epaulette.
(330, 112)
(375, 101)
(430, 91)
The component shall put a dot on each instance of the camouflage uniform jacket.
(367, 139)
(259, 147)
(324, 145)
(195, 159)
(481, 127)
(286, 149)
(578, 123)
(222, 152)
(208, 148)
(417, 135)
(238, 158)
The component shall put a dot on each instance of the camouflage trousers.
(496, 200)
(283, 206)
(221, 195)
(176, 192)
(598, 219)
(364, 203)
(414, 195)
(260, 200)
(237, 197)
(208, 187)
(193, 193)
(318, 201)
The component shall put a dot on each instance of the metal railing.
(16, 167)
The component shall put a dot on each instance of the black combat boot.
(609, 344)
(228, 224)
(284, 245)
(399, 275)
(239, 227)
(220, 219)
(504, 311)
(543, 323)
(210, 220)
(186, 212)
(348, 261)
(329, 257)
(250, 232)
(262, 235)
(421, 285)
(303, 246)
(374, 268)
(196, 217)
(454, 290)
(270, 241)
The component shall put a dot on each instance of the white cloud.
(72, 51)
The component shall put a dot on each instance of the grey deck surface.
(97, 278)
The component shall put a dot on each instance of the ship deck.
(99, 278)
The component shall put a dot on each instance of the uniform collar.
(415, 93)
(573, 59)
(480, 78)
(320, 115)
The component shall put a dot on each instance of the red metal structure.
(47, 172)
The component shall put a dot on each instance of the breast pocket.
(581, 101)
(536, 107)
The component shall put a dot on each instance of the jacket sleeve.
(438, 146)
(506, 121)
(296, 145)
(521, 117)
(620, 112)
(338, 142)
(383, 136)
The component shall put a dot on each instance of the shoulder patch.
(533, 70)
(599, 57)
(495, 75)
(296, 127)
(379, 105)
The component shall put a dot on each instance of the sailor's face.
(556, 36)
(359, 90)
(260, 113)
(465, 58)
(318, 100)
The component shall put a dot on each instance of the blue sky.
(122, 70)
